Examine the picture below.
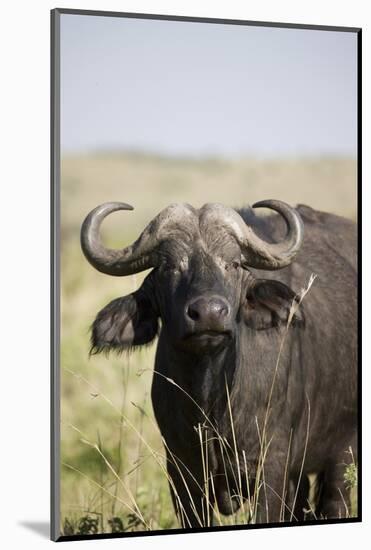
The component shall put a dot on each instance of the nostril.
(193, 313)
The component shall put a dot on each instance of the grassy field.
(112, 475)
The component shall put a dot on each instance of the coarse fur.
(217, 371)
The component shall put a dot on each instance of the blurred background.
(154, 112)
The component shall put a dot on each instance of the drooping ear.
(124, 323)
(268, 305)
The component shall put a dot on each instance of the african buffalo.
(255, 384)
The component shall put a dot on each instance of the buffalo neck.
(203, 378)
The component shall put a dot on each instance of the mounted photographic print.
(204, 276)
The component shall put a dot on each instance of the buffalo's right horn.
(143, 253)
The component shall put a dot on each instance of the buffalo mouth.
(205, 339)
(204, 334)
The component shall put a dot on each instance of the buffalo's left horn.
(278, 255)
(255, 251)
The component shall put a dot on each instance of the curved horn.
(278, 255)
(138, 256)
(257, 252)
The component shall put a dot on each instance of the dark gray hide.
(222, 326)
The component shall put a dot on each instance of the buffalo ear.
(124, 323)
(268, 305)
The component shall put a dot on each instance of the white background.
(24, 398)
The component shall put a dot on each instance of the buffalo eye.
(168, 267)
(232, 265)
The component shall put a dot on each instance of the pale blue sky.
(180, 88)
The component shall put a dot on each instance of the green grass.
(112, 457)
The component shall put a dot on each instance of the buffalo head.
(200, 287)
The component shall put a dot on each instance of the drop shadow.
(42, 528)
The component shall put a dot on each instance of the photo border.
(55, 270)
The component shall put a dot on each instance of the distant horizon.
(204, 156)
